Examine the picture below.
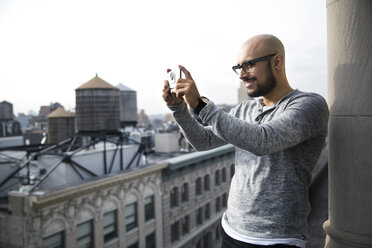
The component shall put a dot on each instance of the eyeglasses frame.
(252, 62)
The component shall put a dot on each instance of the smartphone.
(173, 76)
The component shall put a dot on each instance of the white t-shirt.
(259, 241)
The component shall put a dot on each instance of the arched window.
(207, 211)
(224, 175)
(149, 207)
(198, 186)
(218, 204)
(217, 178)
(185, 225)
(174, 197)
(175, 231)
(185, 192)
(206, 183)
(110, 226)
(131, 219)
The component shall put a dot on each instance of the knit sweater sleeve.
(200, 137)
(303, 118)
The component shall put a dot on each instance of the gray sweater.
(275, 151)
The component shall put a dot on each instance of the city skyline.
(49, 48)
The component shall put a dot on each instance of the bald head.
(260, 45)
(268, 79)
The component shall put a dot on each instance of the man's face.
(260, 81)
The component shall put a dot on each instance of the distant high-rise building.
(143, 119)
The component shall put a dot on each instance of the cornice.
(93, 186)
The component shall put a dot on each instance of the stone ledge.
(348, 238)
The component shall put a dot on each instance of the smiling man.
(277, 137)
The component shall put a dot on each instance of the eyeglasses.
(249, 65)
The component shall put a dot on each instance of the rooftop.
(60, 112)
(96, 83)
(122, 87)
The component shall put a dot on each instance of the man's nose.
(242, 74)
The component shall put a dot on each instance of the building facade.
(173, 203)
(195, 191)
(118, 211)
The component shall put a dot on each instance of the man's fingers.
(173, 91)
(180, 92)
(166, 83)
(186, 72)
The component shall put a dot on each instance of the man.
(277, 139)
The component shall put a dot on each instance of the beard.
(264, 87)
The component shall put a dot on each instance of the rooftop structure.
(97, 106)
(61, 125)
(128, 106)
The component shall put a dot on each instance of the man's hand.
(170, 98)
(186, 88)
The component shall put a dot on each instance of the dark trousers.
(228, 242)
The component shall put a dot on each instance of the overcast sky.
(48, 48)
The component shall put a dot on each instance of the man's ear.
(278, 62)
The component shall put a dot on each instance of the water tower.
(97, 107)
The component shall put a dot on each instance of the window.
(224, 200)
(207, 210)
(185, 225)
(150, 240)
(207, 240)
(199, 216)
(174, 197)
(56, 240)
(199, 244)
(218, 204)
(84, 234)
(149, 208)
(135, 245)
(217, 178)
(198, 186)
(218, 233)
(224, 175)
(232, 171)
(185, 192)
(110, 229)
(131, 216)
(206, 183)
(175, 231)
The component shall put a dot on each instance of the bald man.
(278, 138)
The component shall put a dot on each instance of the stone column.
(349, 29)
(158, 218)
(98, 232)
(141, 222)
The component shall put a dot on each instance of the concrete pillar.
(98, 232)
(70, 239)
(121, 227)
(350, 126)
(159, 219)
(141, 222)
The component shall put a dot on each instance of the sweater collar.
(261, 104)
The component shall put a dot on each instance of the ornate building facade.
(118, 211)
(195, 188)
(174, 203)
